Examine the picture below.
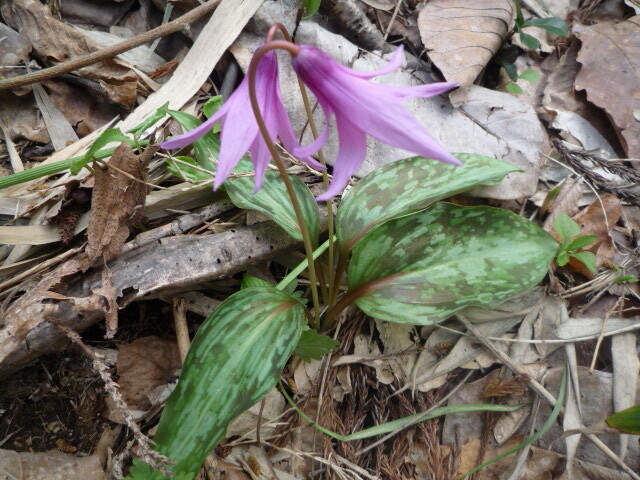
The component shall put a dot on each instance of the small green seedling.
(528, 76)
(569, 231)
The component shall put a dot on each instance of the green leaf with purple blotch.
(422, 268)
(407, 186)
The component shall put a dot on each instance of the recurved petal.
(191, 136)
(394, 63)
(421, 91)
(352, 148)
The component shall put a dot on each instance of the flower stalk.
(306, 237)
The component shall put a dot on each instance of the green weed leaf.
(314, 346)
(422, 268)
(150, 121)
(407, 186)
(554, 25)
(625, 279)
(529, 76)
(565, 226)
(588, 258)
(311, 7)
(514, 88)
(235, 359)
(562, 259)
(627, 421)
(248, 281)
(580, 242)
(529, 41)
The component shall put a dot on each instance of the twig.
(393, 19)
(176, 25)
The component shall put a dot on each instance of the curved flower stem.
(306, 237)
(325, 178)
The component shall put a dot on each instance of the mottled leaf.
(422, 268)
(313, 346)
(210, 107)
(273, 200)
(181, 170)
(150, 121)
(207, 148)
(409, 185)
(235, 359)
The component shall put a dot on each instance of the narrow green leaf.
(210, 107)
(403, 422)
(150, 121)
(554, 25)
(588, 258)
(291, 278)
(565, 226)
(422, 268)
(407, 186)
(235, 359)
(519, 16)
(529, 76)
(545, 427)
(180, 170)
(514, 88)
(529, 41)
(273, 200)
(248, 281)
(313, 346)
(627, 421)
(580, 242)
(625, 279)
(108, 136)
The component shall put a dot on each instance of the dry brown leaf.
(22, 119)
(54, 41)
(610, 58)
(567, 200)
(461, 39)
(14, 51)
(117, 201)
(381, 4)
(145, 364)
(49, 466)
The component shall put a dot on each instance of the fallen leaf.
(274, 404)
(14, 51)
(610, 73)
(54, 42)
(381, 4)
(22, 119)
(461, 39)
(145, 364)
(117, 201)
(49, 466)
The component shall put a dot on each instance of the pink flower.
(239, 127)
(362, 107)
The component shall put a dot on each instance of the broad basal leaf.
(273, 200)
(422, 268)
(409, 185)
(234, 360)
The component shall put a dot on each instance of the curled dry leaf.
(117, 201)
(54, 41)
(461, 39)
(610, 58)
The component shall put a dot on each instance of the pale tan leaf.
(461, 37)
(610, 73)
(49, 466)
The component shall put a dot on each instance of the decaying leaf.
(461, 37)
(610, 58)
(54, 41)
(145, 364)
(117, 201)
(49, 466)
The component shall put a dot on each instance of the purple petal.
(200, 131)
(395, 63)
(352, 143)
(260, 154)
(421, 91)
